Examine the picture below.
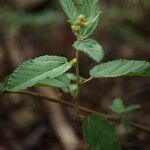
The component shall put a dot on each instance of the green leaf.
(121, 68)
(65, 90)
(3, 85)
(73, 89)
(89, 8)
(90, 47)
(71, 76)
(32, 71)
(99, 134)
(70, 9)
(133, 108)
(126, 124)
(77, 2)
(118, 106)
(60, 82)
(86, 32)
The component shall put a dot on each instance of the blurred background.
(30, 28)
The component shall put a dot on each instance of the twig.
(112, 118)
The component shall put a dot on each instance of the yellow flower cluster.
(73, 61)
(79, 22)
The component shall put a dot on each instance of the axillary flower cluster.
(79, 23)
(73, 61)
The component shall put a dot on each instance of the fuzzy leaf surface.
(89, 8)
(121, 68)
(70, 9)
(86, 32)
(90, 47)
(60, 82)
(99, 134)
(32, 71)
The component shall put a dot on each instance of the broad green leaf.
(118, 106)
(90, 47)
(99, 134)
(121, 68)
(70, 9)
(32, 71)
(60, 82)
(132, 108)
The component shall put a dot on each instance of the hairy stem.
(78, 84)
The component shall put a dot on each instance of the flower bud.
(73, 61)
(81, 17)
(75, 28)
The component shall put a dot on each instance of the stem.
(87, 80)
(78, 84)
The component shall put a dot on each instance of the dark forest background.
(30, 28)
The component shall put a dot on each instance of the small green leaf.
(73, 89)
(70, 9)
(126, 124)
(32, 71)
(133, 108)
(118, 106)
(121, 68)
(71, 76)
(86, 32)
(89, 8)
(99, 134)
(60, 82)
(90, 47)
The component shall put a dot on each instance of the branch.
(84, 109)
